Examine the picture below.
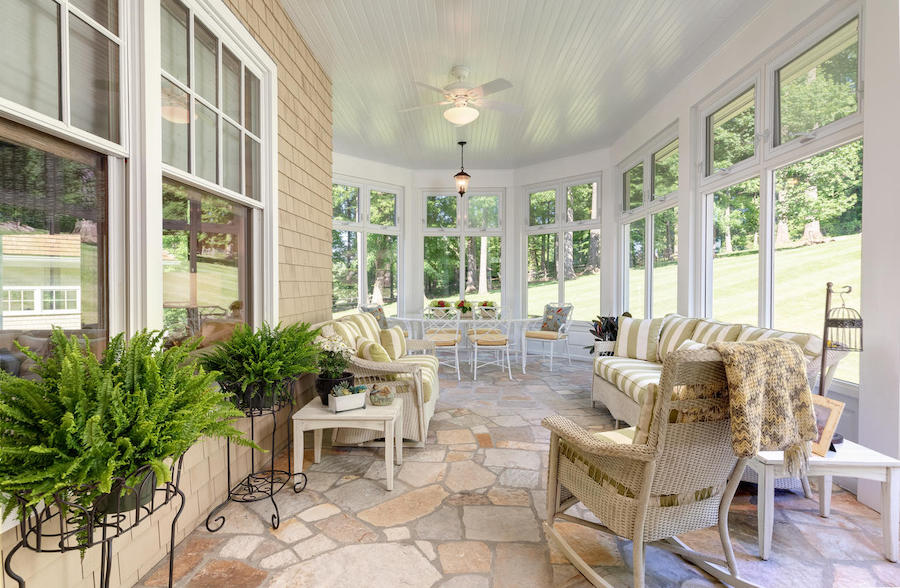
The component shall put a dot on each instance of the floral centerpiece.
(440, 308)
(334, 357)
(488, 309)
(464, 307)
(487, 303)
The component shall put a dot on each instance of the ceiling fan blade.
(499, 105)
(422, 106)
(492, 87)
(430, 87)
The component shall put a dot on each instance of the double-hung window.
(562, 257)
(463, 246)
(365, 245)
(649, 228)
(789, 220)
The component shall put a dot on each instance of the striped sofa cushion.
(810, 344)
(393, 341)
(372, 351)
(346, 331)
(634, 377)
(691, 345)
(366, 324)
(709, 331)
(429, 365)
(675, 329)
(638, 338)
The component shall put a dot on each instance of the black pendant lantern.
(462, 178)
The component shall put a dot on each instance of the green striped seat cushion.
(429, 365)
(810, 344)
(675, 329)
(366, 324)
(634, 377)
(393, 341)
(638, 338)
(372, 351)
(620, 436)
(691, 345)
(346, 331)
(709, 331)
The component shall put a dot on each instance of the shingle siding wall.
(304, 163)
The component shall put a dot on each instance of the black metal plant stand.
(67, 524)
(263, 484)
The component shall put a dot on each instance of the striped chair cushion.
(708, 331)
(620, 436)
(429, 365)
(346, 331)
(372, 351)
(393, 341)
(634, 377)
(366, 324)
(638, 339)
(810, 344)
(675, 329)
(690, 345)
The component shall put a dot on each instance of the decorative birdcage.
(843, 329)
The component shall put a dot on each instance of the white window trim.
(559, 227)
(364, 228)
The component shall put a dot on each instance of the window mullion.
(64, 93)
(766, 247)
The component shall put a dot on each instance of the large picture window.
(53, 215)
(365, 227)
(735, 250)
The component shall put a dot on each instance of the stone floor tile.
(455, 437)
(314, 546)
(283, 558)
(421, 473)
(397, 533)
(405, 508)
(241, 546)
(466, 581)
(464, 557)
(218, 573)
(444, 523)
(512, 458)
(468, 475)
(427, 549)
(319, 512)
(507, 523)
(379, 564)
(291, 531)
(517, 478)
(522, 565)
(345, 529)
(509, 496)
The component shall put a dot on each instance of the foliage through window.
(731, 133)
(735, 250)
(582, 202)
(382, 271)
(665, 171)
(344, 270)
(441, 211)
(484, 211)
(581, 272)
(441, 267)
(819, 87)
(633, 187)
(664, 289)
(542, 208)
(543, 272)
(382, 208)
(636, 254)
(344, 202)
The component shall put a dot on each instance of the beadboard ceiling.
(582, 70)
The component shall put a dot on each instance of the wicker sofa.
(620, 383)
(414, 377)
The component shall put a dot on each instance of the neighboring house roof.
(59, 245)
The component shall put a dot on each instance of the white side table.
(851, 461)
(315, 417)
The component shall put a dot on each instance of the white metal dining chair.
(549, 329)
(488, 332)
(442, 327)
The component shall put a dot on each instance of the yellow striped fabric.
(634, 377)
(638, 338)
(690, 345)
(347, 331)
(366, 324)
(372, 351)
(810, 344)
(619, 436)
(429, 365)
(675, 329)
(709, 331)
(393, 341)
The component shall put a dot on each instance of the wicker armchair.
(682, 478)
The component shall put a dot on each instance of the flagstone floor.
(466, 511)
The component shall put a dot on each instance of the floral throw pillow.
(555, 316)
(378, 312)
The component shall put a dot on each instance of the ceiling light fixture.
(462, 178)
(461, 114)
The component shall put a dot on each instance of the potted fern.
(258, 367)
(94, 436)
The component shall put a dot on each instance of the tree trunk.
(812, 233)
(470, 265)
(782, 234)
(569, 259)
(483, 268)
(594, 252)
(727, 247)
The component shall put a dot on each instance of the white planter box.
(349, 402)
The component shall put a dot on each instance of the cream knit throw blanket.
(770, 401)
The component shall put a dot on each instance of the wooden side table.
(851, 460)
(316, 417)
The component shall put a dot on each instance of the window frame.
(559, 227)
(721, 99)
(363, 227)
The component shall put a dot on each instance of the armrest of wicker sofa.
(380, 371)
(577, 436)
(413, 345)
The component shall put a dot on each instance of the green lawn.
(800, 277)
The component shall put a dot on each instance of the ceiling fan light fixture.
(461, 115)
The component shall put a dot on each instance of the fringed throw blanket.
(770, 403)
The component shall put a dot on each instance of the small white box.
(349, 402)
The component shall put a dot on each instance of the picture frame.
(828, 413)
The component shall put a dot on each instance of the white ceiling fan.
(465, 97)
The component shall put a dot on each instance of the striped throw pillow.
(372, 351)
(347, 331)
(810, 344)
(708, 331)
(675, 330)
(691, 345)
(393, 342)
(638, 339)
(366, 324)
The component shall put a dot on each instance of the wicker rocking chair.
(679, 475)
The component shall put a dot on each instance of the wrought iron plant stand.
(266, 483)
(68, 524)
